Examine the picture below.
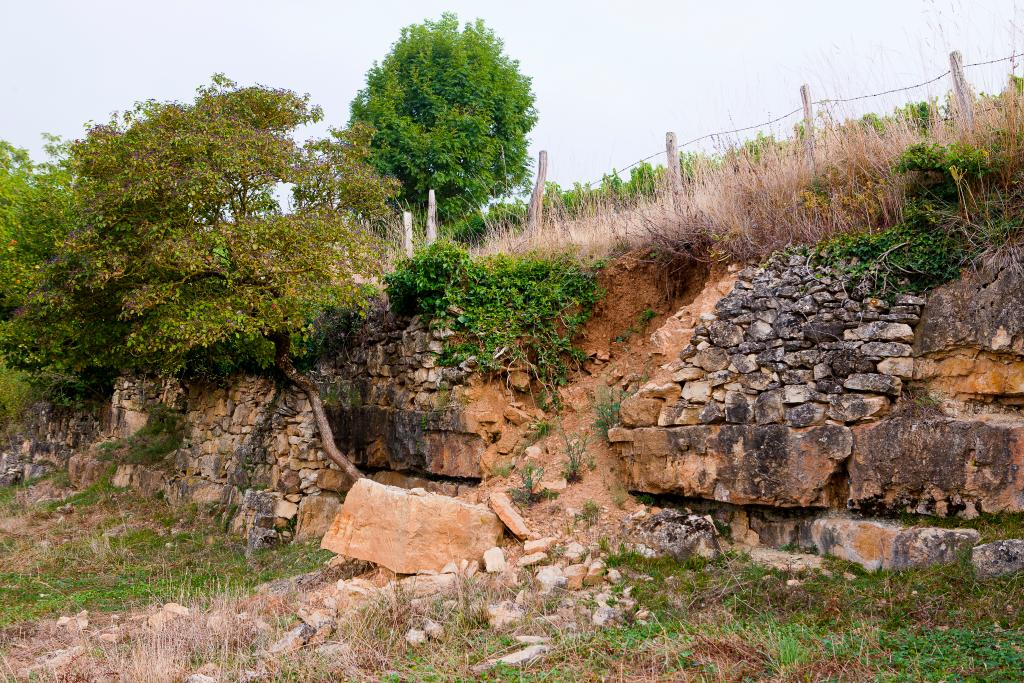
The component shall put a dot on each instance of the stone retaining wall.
(251, 445)
(798, 392)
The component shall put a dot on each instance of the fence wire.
(783, 117)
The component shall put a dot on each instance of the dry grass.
(761, 198)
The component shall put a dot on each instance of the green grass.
(732, 620)
(81, 569)
(991, 527)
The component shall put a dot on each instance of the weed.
(502, 469)
(607, 405)
(589, 513)
(539, 429)
(526, 493)
(575, 456)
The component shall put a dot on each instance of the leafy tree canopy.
(451, 112)
(179, 246)
(35, 211)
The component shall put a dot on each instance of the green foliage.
(506, 311)
(919, 114)
(575, 456)
(452, 112)
(589, 513)
(180, 256)
(162, 434)
(527, 492)
(36, 211)
(607, 404)
(16, 394)
(942, 170)
(913, 256)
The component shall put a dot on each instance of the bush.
(940, 170)
(575, 456)
(526, 493)
(506, 311)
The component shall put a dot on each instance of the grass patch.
(53, 564)
(991, 527)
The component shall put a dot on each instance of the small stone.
(502, 506)
(769, 408)
(433, 629)
(898, 367)
(604, 615)
(539, 545)
(697, 391)
(176, 609)
(293, 640)
(550, 579)
(505, 613)
(881, 331)
(879, 384)
(595, 573)
(415, 637)
(886, 349)
(574, 576)
(613, 576)
(518, 658)
(531, 559)
(574, 552)
(798, 393)
(494, 561)
(805, 415)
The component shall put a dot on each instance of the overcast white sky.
(610, 77)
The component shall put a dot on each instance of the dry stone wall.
(251, 445)
(759, 406)
(799, 392)
(50, 436)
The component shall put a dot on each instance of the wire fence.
(783, 117)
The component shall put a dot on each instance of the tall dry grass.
(756, 199)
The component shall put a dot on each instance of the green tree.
(451, 112)
(181, 245)
(36, 210)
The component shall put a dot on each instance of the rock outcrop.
(939, 465)
(882, 545)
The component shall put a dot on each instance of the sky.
(611, 78)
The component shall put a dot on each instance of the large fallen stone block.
(410, 531)
(938, 465)
(1000, 558)
(743, 464)
(875, 544)
(671, 533)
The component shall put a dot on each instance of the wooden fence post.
(407, 232)
(805, 97)
(536, 209)
(675, 176)
(961, 88)
(431, 217)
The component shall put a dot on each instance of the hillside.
(763, 422)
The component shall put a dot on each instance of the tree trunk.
(282, 358)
